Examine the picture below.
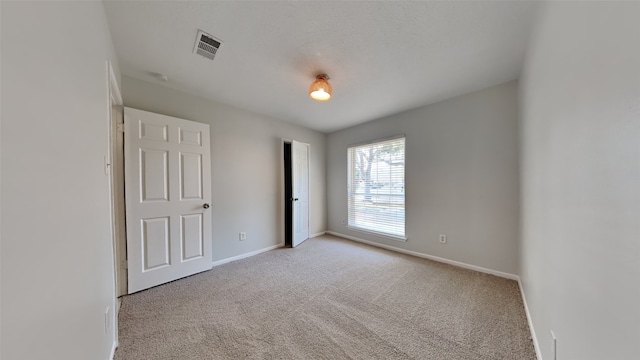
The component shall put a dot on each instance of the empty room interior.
(320, 180)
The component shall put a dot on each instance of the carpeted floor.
(329, 298)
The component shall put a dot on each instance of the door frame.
(288, 194)
(283, 191)
(116, 140)
(114, 101)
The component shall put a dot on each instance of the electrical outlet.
(344, 221)
(107, 318)
(243, 236)
(554, 347)
(443, 238)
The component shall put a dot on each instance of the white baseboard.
(534, 338)
(317, 234)
(430, 257)
(113, 350)
(246, 255)
(256, 252)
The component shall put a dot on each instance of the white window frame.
(352, 192)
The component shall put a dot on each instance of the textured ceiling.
(382, 57)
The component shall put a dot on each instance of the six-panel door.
(168, 183)
(300, 170)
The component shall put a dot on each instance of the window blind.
(376, 190)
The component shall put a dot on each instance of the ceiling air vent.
(206, 45)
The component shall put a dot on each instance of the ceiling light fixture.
(320, 89)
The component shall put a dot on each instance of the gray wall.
(461, 177)
(245, 164)
(580, 158)
(57, 253)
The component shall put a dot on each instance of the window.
(376, 187)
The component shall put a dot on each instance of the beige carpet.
(329, 298)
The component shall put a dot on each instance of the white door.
(168, 190)
(300, 173)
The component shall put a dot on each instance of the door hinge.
(120, 127)
(107, 164)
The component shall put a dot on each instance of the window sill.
(378, 234)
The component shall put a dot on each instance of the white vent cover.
(206, 45)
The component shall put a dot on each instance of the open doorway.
(296, 192)
(288, 196)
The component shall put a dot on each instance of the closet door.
(300, 173)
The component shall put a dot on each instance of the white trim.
(245, 255)
(113, 85)
(281, 180)
(351, 193)
(386, 138)
(430, 257)
(113, 350)
(534, 338)
(317, 234)
(115, 99)
(378, 233)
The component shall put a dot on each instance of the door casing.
(116, 211)
(288, 148)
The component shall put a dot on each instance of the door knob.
(296, 199)
(206, 206)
